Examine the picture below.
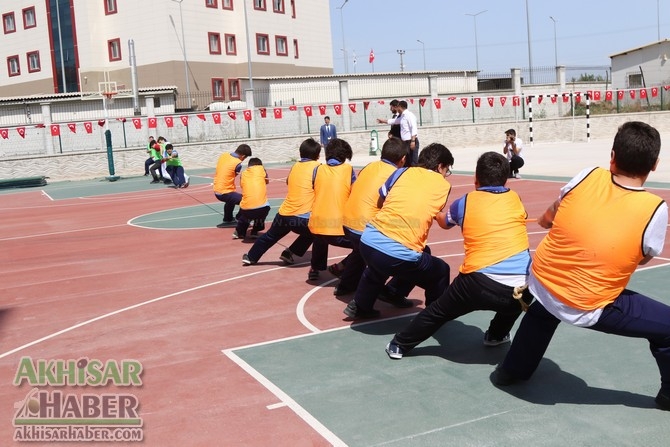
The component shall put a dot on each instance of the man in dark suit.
(328, 132)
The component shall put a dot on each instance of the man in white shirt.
(512, 149)
(408, 132)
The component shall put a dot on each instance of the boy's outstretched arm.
(547, 219)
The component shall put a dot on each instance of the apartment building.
(68, 46)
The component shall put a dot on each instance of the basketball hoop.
(109, 96)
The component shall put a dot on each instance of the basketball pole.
(106, 96)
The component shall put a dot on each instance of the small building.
(642, 66)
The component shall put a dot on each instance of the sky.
(587, 33)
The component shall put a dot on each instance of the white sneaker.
(517, 175)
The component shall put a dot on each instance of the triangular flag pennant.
(338, 109)
(422, 102)
(516, 101)
(490, 100)
(184, 120)
(201, 116)
(411, 100)
(352, 107)
(232, 115)
(554, 98)
(4, 133)
(55, 130)
(371, 57)
(277, 113)
(292, 108)
(263, 111)
(72, 127)
(539, 99)
(566, 97)
(608, 95)
(137, 122)
(619, 94)
(153, 123)
(464, 102)
(22, 131)
(589, 94)
(123, 120)
(503, 100)
(666, 87)
(101, 123)
(654, 92)
(88, 126)
(438, 103)
(169, 121)
(308, 110)
(247, 115)
(216, 117)
(643, 93)
(528, 99)
(632, 94)
(40, 126)
(477, 101)
(451, 98)
(596, 95)
(381, 101)
(366, 104)
(322, 110)
(578, 97)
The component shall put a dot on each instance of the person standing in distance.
(328, 132)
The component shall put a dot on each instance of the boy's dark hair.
(161, 139)
(492, 169)
(168, 146)
(339, 150)
(433, 155)
(510, 132)
(255, 161)
(402, 104)
(310, 148)
(243, 149)
(636, 148)
(393, 150)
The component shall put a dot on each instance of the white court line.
(44, 193)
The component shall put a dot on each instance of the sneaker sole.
(393, 355)
(495, 343)
(287, 260)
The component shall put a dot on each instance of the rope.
(517, 294)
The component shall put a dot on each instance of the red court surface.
(80, 282)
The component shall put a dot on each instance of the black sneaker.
(246, 260)
(490, 341)
(313, 275)
(340, 291)
(287, 257)
(227, 224)
(335, 270)
(352, 311)
(394, 299)
(394, 351)
(663, 400)
(154, 181)
(501, 377)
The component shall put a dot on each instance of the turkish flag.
(184, 120)
(566, 97)
(643, 93)
(654, 92)
(40, 126)
(169, 121)
(232, 115)
(21, 131)
(411, 100)
(366, 104)
(516, 101)
(451, 98)
(478, 101)
(371, 58)
(72, 127)
(619, 94)
(123, 120)
(490, 100)
(438, 103)
(263, 111)
(137, 122)
(503, 100)
(554, 98)
(293, 108)
(277, 113)
(322, 110)
(539, 99)
(4, 133)
(422, 102)
(55, 130)
(153, 123)
(666, 87)
(596, 95)
(201, 116)
(578, 97)
(529, 99)
(88, 126)
(464, 102)
(101, 123)
(589, 94)
(247, 115)
(338, 109)
(608, 95)
(308, 110)
(632, 94)
(381, 101)
(352, 107)
(216, 117)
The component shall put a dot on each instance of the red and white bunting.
(352, 107)
(232, 115)
(137, 122)
(88, 127)
(277, 113)
(22, 131)
(184, 120)
(322, 110)
(438, 103)
(308, 110)
(490, 100)
(263, 111)
(169, 122)
(55, 130)
(152, 123)
(464, 102)
(247, 115)
(72, 127)
(216, 117)
(4, 133)
(338, 109)
(292, 108)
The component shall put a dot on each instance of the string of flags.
(309, 110)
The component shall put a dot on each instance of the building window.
(212, 3)
(234, 89)
(262, 44)
(114, 49)
(260, 5)
(282, 45)
(293, 9)
(29, 18)
(110, 7)
(278, 6)
(217, 89)
(635, 80)
(231, 45)
(33, 61)
(214, 43)
(13, 67)
(227, 4)
(295, 49)
(8, 22)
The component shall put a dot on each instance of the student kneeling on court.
(493, 221)
(254, 206)
(602, 226)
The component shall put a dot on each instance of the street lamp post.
(344, 45)
(555, 46)
(530, 52)
(183, 45)
(474, 17)
(401, 52)
(423, 48)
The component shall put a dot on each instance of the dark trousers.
(354, 264)
(156, 166)
(230, 199)
(281, 226)
(412, 158)
(428, 272)
(176, 173)
(630, 315)
(465, 294)
(147, 164)
(245, 217)
(515, 164)
(320, 249)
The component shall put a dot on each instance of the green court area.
(591, 389)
